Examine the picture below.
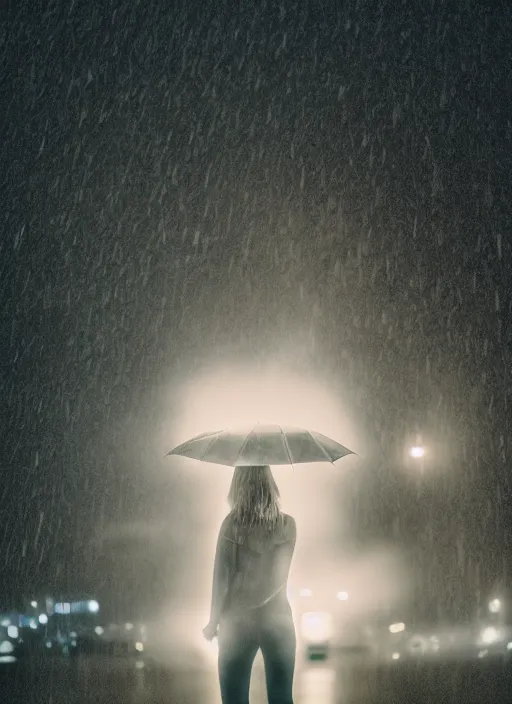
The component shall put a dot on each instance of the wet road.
(130, 682)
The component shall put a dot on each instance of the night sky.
(190, 181)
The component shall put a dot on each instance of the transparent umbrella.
(262, 445)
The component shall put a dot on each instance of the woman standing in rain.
(250, 608)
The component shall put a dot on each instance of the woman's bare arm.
(220, 576)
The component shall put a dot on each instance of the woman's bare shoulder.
(289, 524)
(226, 528)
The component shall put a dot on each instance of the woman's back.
(259, 560)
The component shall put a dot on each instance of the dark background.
(190, 180)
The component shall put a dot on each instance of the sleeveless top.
(258, 562)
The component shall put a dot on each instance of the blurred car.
(326, 623)
(400, 641)
(112, 641)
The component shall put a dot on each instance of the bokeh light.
(417, 452)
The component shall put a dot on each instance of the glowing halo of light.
(417, 452)
(227, 397)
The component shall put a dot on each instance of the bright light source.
(6, 647)
(33, 604)
(316, 627)
(43, 619)
(128, 626)
(283, 389)
(395, 656)
(490, 635)
(495, 606)
(139, 647)
(397, 627)
(509, 646)
(93, 606)
(12, 632)
(33, 624)
(342, 596)
(99, 630)
(417, 452)
(6, 622)
(306, 592)
(235, 395)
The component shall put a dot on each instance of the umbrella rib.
(286, 445)
(243, 446)
(210, 445)
(320, 446)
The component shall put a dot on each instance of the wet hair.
(254, 497)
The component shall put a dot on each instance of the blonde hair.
(254, 497)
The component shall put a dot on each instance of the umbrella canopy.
(261, 445)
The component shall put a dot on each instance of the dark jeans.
(241, 634)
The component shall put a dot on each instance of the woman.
(250, 607)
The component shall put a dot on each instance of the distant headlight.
(316, 627)
(397, 627)
(490, 635)
(13, 632)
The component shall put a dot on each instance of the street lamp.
(417, 452)
(417, 456)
